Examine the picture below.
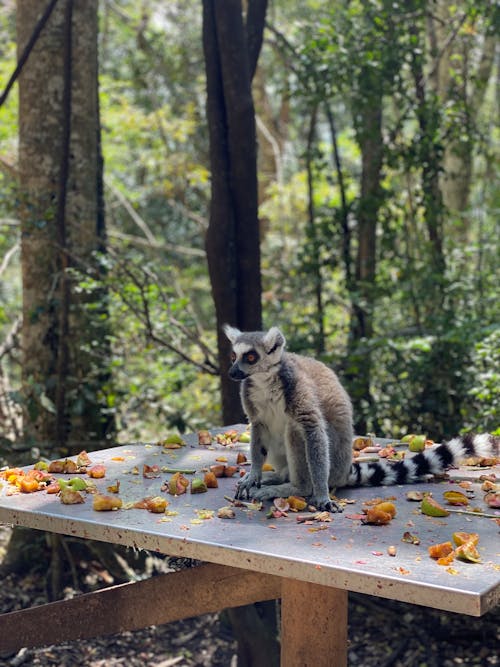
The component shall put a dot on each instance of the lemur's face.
(254, 352)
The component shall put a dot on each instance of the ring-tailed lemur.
(301, 423)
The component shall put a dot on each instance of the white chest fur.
(266, 396)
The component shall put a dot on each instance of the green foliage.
(433, 357)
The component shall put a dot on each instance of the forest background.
(366, 226)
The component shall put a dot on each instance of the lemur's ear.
(231, 332)
(273, 340)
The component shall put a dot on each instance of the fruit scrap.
(67, 466)
(210, 480)
(27, 482)
(391, 550)
(70, 496)
(468, 552)
(228, 437)
(386, 452)
(417, 443)
(177, 484)
(297, 503)
(417, 496)
(267, 467)
(280, 508)
(156, 505)
(362, 442)
(77, 484)
(492, 499)
(97, 472)
(102, 503)
(455, 498)
(378, 513)
(172, 441)
(388, 507)
(53, 487)
(204, 438)
(462, 538)
(465, 549)
(221, 470)
(488, 485)
(114, 488)
(225, 513)
(409, 538)
(150, 472)
(241, 458)
(198, 485)
(244, 437)
(440, 550)
(83, 459)
(431, 507)
(376, 517)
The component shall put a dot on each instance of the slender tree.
(231, 49)
(64, 335)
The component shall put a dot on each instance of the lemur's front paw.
(326, 504)
(246, 484)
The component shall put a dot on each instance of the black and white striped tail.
(432, 461)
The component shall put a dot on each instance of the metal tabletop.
(343, 554)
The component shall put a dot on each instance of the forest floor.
(382, 633)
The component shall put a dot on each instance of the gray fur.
(300, 416)
(301, 423)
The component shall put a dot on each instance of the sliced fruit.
(388, 507)
(225, 513)
(297, 503)
(431, 507)
(69, 496)
(204, 438)
(440, 550)
(455, 498)
(417, 443)
(210, 480)
(468, 553)
(462, 538)
(198, 485)
(377, 517)
(97, 472)
(177, 484)
(156, 505)
(102, 503)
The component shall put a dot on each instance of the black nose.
(235, 373)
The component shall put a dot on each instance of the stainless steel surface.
(343, 553)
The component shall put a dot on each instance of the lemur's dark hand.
(251, 480)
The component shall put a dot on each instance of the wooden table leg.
(313, 625)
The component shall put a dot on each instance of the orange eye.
(251, 357)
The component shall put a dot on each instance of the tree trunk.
(232, 241)
(456, 50)
(370, 140)
(64, 332)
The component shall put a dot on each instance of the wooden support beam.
(313, 625)
(136, 605)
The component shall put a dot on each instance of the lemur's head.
(254, 351)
